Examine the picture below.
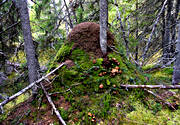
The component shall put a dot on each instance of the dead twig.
(160, 98)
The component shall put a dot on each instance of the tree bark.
(167, 37)
(69, 15)
(174, 24)
(2, 56)
(176, 72)
(103, 25)
(31, 58)
(123, 30)
(137, 32)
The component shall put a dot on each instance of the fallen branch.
(160, 98)
(53, 106)
(28, 87)
(10, 27)
(152, 86)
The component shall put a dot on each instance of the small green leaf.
(108, 82)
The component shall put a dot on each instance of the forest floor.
(89, 92)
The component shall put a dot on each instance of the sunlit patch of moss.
(141, 114)
(145, 116)
(21, 57)
(61, 54)
(146, 67)
(9, 106)
(64, 113)
(3, 117)
(168, 71)
(18, 100)
(162, 76)
(45, 56)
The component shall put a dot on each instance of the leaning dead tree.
(153, 30)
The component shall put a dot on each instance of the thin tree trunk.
(32, 61)
(176, 72)
(174, 21)
(167, 37)
(69, 15)
(2, 56)
(122, 29)
(103, 25)
(163, 28)
(137, 32)
(177, 7)
(153, 29)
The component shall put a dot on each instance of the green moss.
(80, 86)
(64, 113)
(147, 67)
(145, 116)
(141, 114)
(81, 59)
(61, 54)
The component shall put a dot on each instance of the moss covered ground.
(88, 92)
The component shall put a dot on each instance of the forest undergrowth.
(88, 91)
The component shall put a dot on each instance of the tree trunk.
(176, 72)
(167, 37)
(3, 51)
(69, 15)
(163, 27)
(32, 61)
(137, 32)
(174, 21)
(103, 25)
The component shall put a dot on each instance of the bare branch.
(10, 27)
(160, 98)
(3, 2)
(122, 28)
(53, 106)
(67, 9)
(152, 86)
(153, 29)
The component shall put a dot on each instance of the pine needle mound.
(86, 37)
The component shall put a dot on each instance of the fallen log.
(151, 86)
(28, 87)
